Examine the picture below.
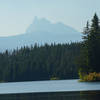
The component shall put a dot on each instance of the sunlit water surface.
(50, 90)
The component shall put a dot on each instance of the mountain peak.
(39, 24)
(40, 20)
(35, 19)
(44, 25)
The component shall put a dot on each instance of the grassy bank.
(91, 77)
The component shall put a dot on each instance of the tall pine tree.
(94, 45)
(90, 53)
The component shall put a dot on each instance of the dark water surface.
(89, 95)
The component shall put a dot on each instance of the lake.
(50, 90)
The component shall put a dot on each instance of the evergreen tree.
(86, 31)
(94, 45)
(90, 53)
(82, 60)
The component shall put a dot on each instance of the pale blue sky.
(17, 15)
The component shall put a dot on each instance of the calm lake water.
(50, 90)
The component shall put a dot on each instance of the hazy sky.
(17, 15)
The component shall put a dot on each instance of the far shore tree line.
(47, 62)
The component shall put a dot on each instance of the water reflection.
(90, 95)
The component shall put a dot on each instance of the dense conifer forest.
(55, 61)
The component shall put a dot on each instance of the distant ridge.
(41, 31)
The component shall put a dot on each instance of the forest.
(46, 62)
